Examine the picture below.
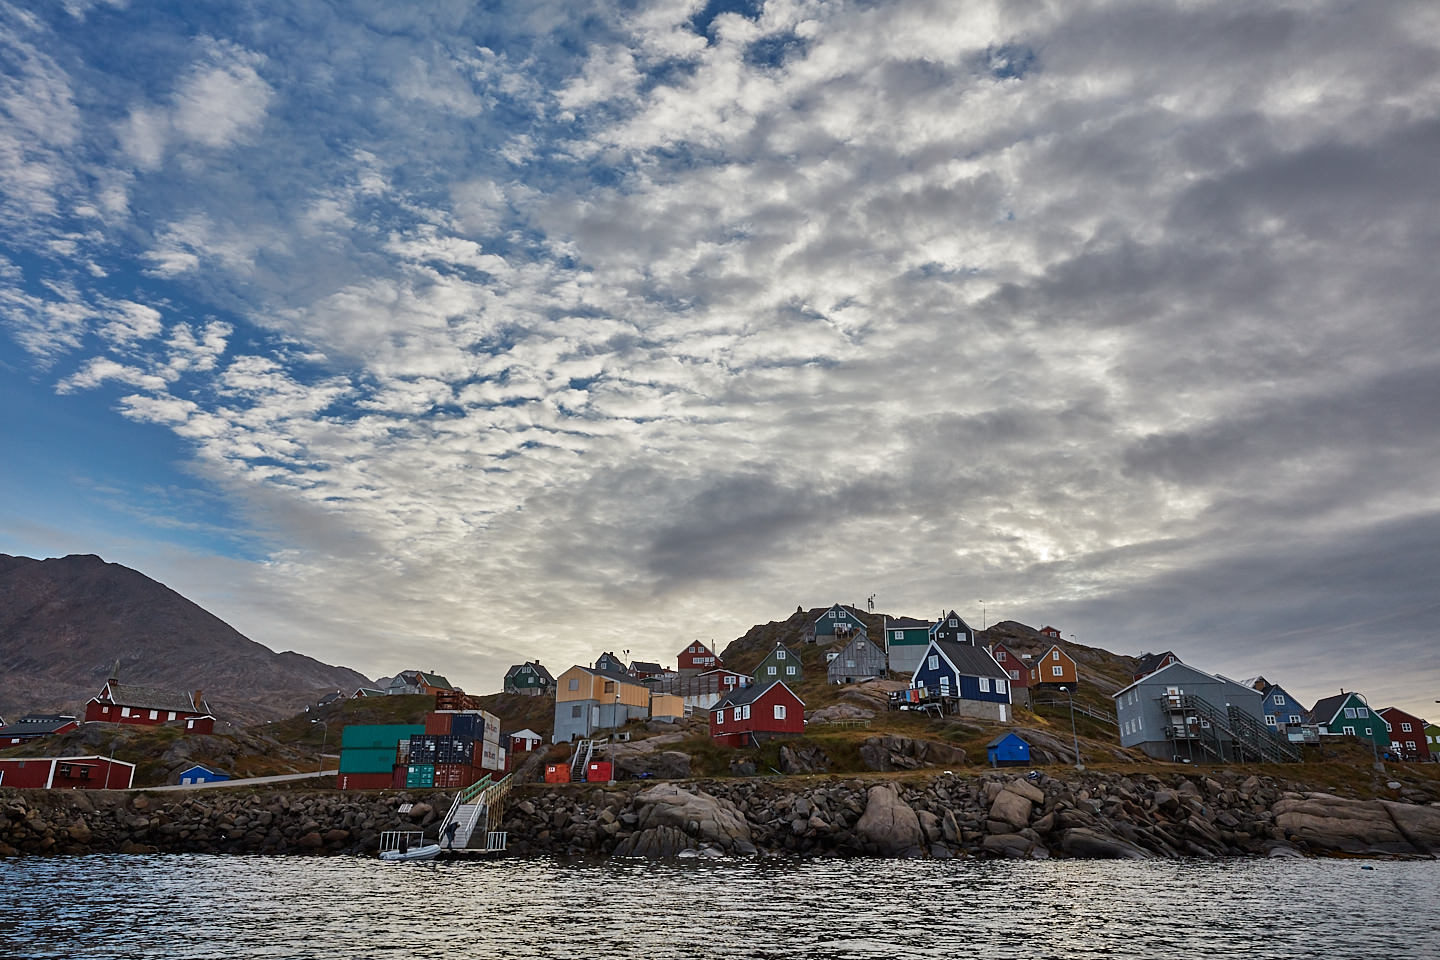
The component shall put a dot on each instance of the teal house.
(1347, 714)
(782, 663)
(906, 639)
(838, 622)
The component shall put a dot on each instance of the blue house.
(965, 679)
(1282, 711)
(1008, 750)
(199, 774)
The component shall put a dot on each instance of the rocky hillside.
(65, 622)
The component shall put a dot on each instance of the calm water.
(207, 906)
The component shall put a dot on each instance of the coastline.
(1210, 813)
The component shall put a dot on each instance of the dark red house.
(1407, 734)
(1051, 632)
(752, 714)
(128, 703)
(697, 658)
(34, 726)
(66, 773)
(1016, 667)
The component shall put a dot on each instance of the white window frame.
(1349, 713)
(770, 670)
(999, 685)
(790, 671)
(1278, 698)
(1295, 718)
(1055, 655)
(1404, 727)
(779, 711)
(737, 714)
(779, 654)
(1362, 713)
(747, 711)
(1057, 671)
(154, 714)
(934, 662)
(984, 684)
(899, 635)
(1271, 720)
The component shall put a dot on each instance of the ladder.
(476, 811)
(580, 759)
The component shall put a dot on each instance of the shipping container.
(364, 781)
(373, 735)
(367, 760)
(599, 771)
(557, 773)
(438, 723)
(456, 774)
(492, 726)
(466, 725)
(420, 775)
(397, 779)
(490, 756)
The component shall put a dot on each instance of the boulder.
(698, 815)
(1419, 825)
(1327, 823)
(655, 843)
(889, 826)
(1009, 845)
(802, 758)
(1027, 790)
(660, 765)
(904, 753)
(842, 711)
(1012, 808)
(1081, 842)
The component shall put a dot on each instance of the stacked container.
(368, 754)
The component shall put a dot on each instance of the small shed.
(1008, 750)
(199, 774)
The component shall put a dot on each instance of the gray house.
(857, 660)
(1180, 713)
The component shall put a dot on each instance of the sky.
(451, 335)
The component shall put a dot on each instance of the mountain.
(65, 622)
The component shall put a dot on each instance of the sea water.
(184, 906)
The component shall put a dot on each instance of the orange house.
(1053, 668)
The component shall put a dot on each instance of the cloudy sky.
(451, 334)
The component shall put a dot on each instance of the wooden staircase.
(476, 811)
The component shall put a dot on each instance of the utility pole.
(1075, 737)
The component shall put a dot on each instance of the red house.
(127, 703)
(1407, 734)
(1051, 632)
(697, 658)
(755, 713)
(1151, 662)
(34, 726)
(66, 773)
(1014, 665)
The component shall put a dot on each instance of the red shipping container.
(438, 724)
(557, 773)
(364, 781)
(455, 775)
(398, 775)
(600, 770)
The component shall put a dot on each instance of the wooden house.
(200, 774)
(839, 622)
(587, 701)
(952, 628)
(905, 641)
(646, 670)
(362, 692)
(1348, 715)
(607, 662)
(755, 713)
(964, 679)
(858, 660)
(1179, 713)
(1407, 734)
(415, 682)
(1054, 668)
(1151, 662)
(1017, 668)
(149, 706)
(1432, 738)
(697, 658)
(34, 726)
(1051, 633)
(66, 773)
(1283, 713)
(522, 742)
(779, 664)
(1008, 750)
(530, 679)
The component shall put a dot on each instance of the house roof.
(971, 661)
(1325, 709)
(533, 665)
(528, 734)
(153, 698)
(906, 623)
(1149, 678)
(35, 727)
(645, 666)
(1006, 736)
(1150, 662)
(738, 698)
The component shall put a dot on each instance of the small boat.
(407, 845)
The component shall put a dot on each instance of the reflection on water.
(210, 906)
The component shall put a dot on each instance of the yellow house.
(667, 706)
(589, 700)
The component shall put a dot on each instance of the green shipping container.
(367, 760)
(420, 775)
(370, 736)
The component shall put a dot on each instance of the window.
(609, 686)
(747, 711)
(984, 684)
(574, 683)
(1294, 718)
(736, 714)
(1349, 731)
(575, 711)
(172, 715)
(1014, 674)
(1349, 713)
(770, 671)
(1410, 744)
(1055, 655)
(779, 711)
(154, 714)
(999, 686)
(1270, 720)
(899, 635)
(1361, 712)
(954, 624)
(1278, 698)
(124, 711)
(832, 614)
(779, 654)
(1404, 728)
(849, 663)
(935, 663)
(790, 671)
(1057, 671)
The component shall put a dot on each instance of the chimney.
(198, 701)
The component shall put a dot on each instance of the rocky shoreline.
(1086, 815)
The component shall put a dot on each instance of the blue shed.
(1008, 750)
(199, 774)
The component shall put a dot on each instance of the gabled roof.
(609, 675)
(1150, 662)
(527, 733)
(944, 623)
(1045, 654)
(1178, 667)
(738, 698)
(36, 726)
(153, 698)
(534, 665)
(970, 661)
(824, 614)
(1326, 709)
(645, 666)
(906, 623)
(1006, 736)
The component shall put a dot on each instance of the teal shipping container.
(371, 736)
(420, 775)
(367, 759)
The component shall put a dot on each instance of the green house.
(906, 640)
(782, 663)
(529, 678)
(1432, 737)
(1347, 714)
